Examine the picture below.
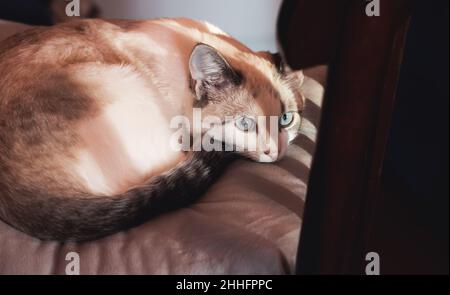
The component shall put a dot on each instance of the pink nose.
(267, 152)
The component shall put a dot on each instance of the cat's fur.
(84, 112)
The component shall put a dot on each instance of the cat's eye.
(245, 124)
(286, 119)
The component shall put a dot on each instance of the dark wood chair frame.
(364, 56)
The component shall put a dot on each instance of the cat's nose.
(267, 152)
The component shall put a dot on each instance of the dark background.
(416, 181)
(418, 144)
(33, 12)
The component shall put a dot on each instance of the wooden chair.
(364, 55)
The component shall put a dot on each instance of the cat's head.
(257, 99)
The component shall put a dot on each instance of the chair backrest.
(364, 54)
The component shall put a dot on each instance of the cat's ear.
(278, 62)
(209, 68)
(298, 80)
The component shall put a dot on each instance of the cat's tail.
(88, 218)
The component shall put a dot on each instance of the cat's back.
(86, 106)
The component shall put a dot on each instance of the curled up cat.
(88, 141)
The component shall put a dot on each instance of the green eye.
(286, 119)
(245, 124)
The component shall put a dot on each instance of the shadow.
(275, 191)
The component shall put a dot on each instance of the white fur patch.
(129, 139)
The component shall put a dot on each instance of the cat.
(85, 111)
